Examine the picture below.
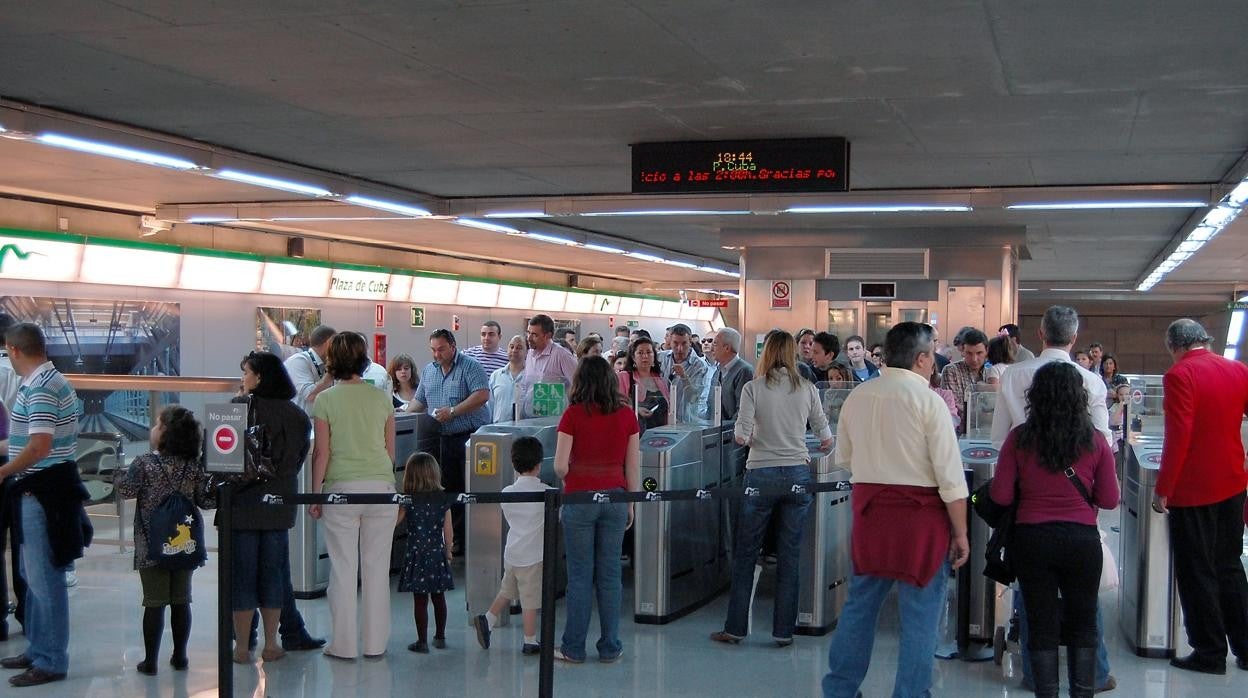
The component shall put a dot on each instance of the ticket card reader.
(1149, 610)
(489, 469)
(826, 565)
(679, 560)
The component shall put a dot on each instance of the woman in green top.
(353, 451)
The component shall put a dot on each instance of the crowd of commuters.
(909, 506)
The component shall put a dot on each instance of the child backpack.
(175, 532)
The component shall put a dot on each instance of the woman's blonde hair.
(421, 474)
(779, 351)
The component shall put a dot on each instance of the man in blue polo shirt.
(453, 390)
(43, 435)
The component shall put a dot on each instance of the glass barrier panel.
(981, 403)
(690, 408)
(832, 396)
(544, 397)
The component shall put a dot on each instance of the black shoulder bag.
(997, 563)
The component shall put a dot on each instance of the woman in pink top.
(642, 382)
(1055, 548)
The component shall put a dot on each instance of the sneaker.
(612, 659)
(531, 648)
(482, 626)
(721, 636)
(782, 642)
(1110, 684)
(565, 658)
(71, 579)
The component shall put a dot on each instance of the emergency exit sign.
(418, 316)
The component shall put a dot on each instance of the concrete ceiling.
(476, 99)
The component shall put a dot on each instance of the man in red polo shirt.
(1201, 486)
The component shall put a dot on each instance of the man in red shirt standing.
(1202, 488)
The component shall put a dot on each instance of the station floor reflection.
(674, 659)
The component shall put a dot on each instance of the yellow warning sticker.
(485, 459)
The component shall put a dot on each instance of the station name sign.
(786, 165)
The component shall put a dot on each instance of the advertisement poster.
(117, 337)
(284, 331)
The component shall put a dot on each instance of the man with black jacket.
(43, 435)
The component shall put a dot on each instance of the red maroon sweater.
(900, 532)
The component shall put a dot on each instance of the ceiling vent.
(858, 263)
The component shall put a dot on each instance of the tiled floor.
(671, 660)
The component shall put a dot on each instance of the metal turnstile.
(488, 469)
(1149, 610)
(826, 564)
(680, 562)
(980, 458)
(309, 560)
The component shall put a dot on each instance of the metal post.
(550, 549)
(225, 604)
(963, 580)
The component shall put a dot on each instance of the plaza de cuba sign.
(224, 424)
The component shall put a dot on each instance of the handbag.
(997, 563)
(258, 463)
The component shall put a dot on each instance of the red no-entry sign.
(225, 439)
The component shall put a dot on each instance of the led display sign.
(793, 165)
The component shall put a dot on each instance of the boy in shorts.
(522, 557)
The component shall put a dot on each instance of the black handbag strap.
(1074, 480)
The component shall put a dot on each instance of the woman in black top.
(260, 544)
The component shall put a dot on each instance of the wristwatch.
(452, 410)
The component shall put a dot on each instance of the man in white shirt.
(680, 364)
(910, 524)
(307, 368)
(488, 353)
(1058, 330)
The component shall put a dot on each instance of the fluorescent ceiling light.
(1096, 205)
(1237, 197)
(678, 263)
(554, 239)
(1028, 289)
(483, 225)
(115, 151)
(210, 219)
(721, 272)
(518, 214)
(517, 297)
(646, 256)
(1220, 216)
(1089, 290)
(273, 183)
(1189, 245)
(391, 206)
(1203, 233)
(672, 212)
(881, 208)
(630, 306)
(1235, 331)
(602, 248)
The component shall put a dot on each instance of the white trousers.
(358, 538)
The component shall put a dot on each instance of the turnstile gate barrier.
(826, 564)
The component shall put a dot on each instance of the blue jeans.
(1102, 655)
(592, 536)
(756, 512)
(849, 655)
(47, 600)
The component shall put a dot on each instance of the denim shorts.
(261, 561)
